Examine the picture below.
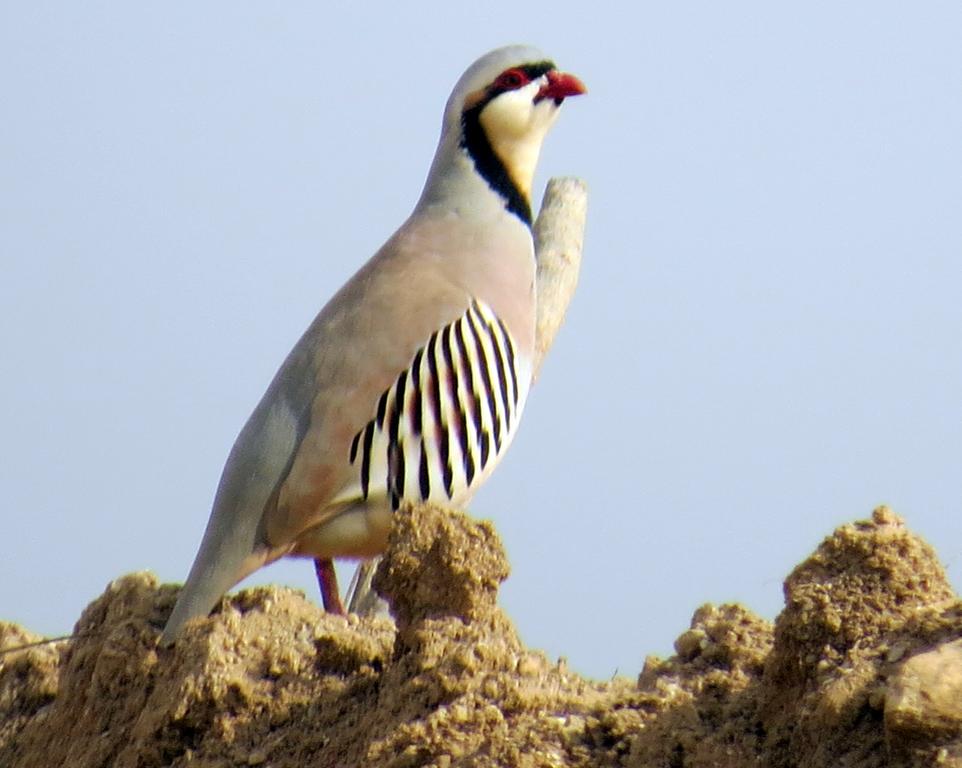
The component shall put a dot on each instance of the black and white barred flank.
(448, 417)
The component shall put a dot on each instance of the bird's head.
(500, 112)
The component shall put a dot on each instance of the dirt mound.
(862, 668)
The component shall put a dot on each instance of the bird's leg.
(327, 581)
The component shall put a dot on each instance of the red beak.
(560, 85)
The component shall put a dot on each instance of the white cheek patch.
(516, 126)
(509, 114)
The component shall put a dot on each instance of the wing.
(438, 431)
(399, 310)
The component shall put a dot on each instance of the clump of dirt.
(863, 668)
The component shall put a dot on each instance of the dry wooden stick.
(559, 234)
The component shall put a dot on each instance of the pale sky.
(766, 341)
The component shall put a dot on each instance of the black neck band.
(487, 163)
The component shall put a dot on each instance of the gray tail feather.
(229, 551)
(233, 544)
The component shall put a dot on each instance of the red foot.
(327, 581)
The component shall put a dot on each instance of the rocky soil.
(862, 668)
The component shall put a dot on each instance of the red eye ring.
(511, 79)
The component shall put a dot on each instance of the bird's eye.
(511, 79)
